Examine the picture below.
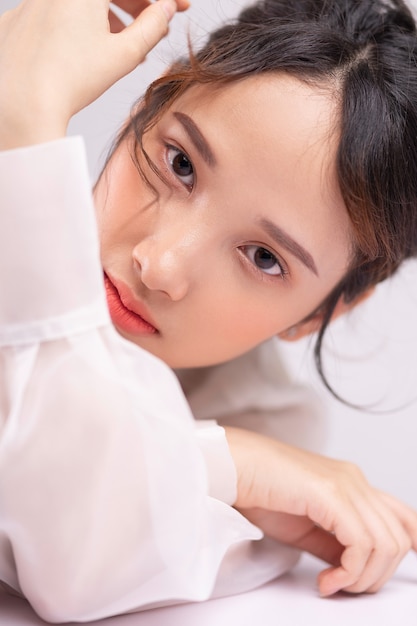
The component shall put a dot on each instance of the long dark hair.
(364, 51)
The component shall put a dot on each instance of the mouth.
(126, 313)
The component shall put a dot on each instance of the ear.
(312, 324)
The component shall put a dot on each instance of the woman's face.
(246, 235)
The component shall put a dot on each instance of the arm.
(254, 393)
(92, 455)
(324, 506)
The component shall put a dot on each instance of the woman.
(260, 189)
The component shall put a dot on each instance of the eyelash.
(283, 270)
(179, 152)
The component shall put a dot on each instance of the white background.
(371, 356)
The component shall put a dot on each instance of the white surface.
(289, 601)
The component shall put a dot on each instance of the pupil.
(182, 165)
(264, 259)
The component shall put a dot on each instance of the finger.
(353, 561)
(321, 544)
(353, 530)
(386, 577)
(183, 5)
(406, 515)
(147, 30)
(407, 518)
(135, 7)
(391, 544)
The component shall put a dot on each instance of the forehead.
(276, 105)
(277, 136)
(288, 126)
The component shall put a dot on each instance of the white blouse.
(113, 498)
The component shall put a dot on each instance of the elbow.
(57, 610)
(59, 604)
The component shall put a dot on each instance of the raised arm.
(58, 57)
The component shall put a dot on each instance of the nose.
(167, 261)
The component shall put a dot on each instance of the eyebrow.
(197, 138)
(283, 239)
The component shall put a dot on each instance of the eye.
(181, 166)
(264, 260)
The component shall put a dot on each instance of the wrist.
(243, 446)
(29, 124)
(17, 135)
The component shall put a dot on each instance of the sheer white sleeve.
(110, 498)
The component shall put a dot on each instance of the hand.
(57, 57)
(325, 507)
(134, 8)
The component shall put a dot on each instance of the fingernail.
(169, 6)
(329, 592)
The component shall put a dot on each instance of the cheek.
(238, 322)
(255, 324)
(231, 337)
(120, 183)
(119, 196)
(248, 319)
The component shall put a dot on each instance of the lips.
(126, 313)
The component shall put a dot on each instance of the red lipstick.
(126, 313)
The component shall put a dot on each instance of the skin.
(192, 255)
(54, 95)
(188, 255)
